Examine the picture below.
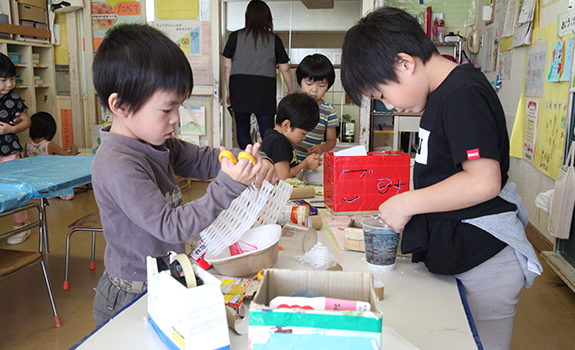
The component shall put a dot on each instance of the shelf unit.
(38, 98)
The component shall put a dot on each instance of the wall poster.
(187, 23)
(109, 13)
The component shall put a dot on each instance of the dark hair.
(43, 126)
(316, 67)
(7, 68)
(259, 20)
(371, 47)
(135, 61)
(299, 110)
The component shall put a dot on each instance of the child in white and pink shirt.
(42, 132)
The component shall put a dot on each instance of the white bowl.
(313, 177)
(265, 238)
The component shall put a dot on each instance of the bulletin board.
(547, 126)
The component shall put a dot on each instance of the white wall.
(530, 181)
(342, 17)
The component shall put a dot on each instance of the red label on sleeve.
(473, 154)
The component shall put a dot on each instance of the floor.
(545, 316)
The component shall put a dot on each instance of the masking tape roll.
(186, 265)
(316, 222)
(303, 192)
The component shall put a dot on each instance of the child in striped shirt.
(315, 75)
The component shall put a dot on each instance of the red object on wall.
(362, 183)
(66, 128)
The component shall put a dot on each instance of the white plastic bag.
(542, 200)
(562, 201)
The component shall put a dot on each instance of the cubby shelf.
(37, 98)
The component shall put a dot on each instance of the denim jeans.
(109, 299)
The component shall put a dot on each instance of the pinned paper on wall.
(190, 29)
(66, 128)
(110, 13)
(535, 70)
(557, 62)
(192, 120)
(505, 60)
(568, 62)
(531, 129)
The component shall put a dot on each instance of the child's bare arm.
(57, 150)
(479, 182)
(286, 73)
(328, 145)
(21, 122)
(284, 171)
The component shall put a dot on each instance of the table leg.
(44, 225)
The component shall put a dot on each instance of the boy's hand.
(243, 172)
(393, 213)
(315, 149)
(6, 128)
(312, 161)
(74, 149)
(267, 172)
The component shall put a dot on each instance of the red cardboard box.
(362, 183)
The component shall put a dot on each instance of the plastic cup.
(380, 245)
(298, 238)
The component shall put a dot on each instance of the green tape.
(300, 319)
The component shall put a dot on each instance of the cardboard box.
(382, 138)
(362, 183)
(353, 237)
(312, 329)
(31, 13)
(37, 3)
(193, 318)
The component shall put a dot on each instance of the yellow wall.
(61, 51)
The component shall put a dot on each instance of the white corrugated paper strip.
(260, 206)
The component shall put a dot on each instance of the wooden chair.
(90, 223)
(14, 261)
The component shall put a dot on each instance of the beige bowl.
(266, 238)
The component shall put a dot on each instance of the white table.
(423, 308)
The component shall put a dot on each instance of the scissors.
(242, 155)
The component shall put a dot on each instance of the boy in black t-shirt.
(464, 217)
(298, 113)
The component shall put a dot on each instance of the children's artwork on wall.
(568, 62)
(545, 124)
(187, 23)
(557, 62)
(110, 13)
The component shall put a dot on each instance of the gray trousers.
(109, 299)
(492, 290)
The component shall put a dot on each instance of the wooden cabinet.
(36, 69)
